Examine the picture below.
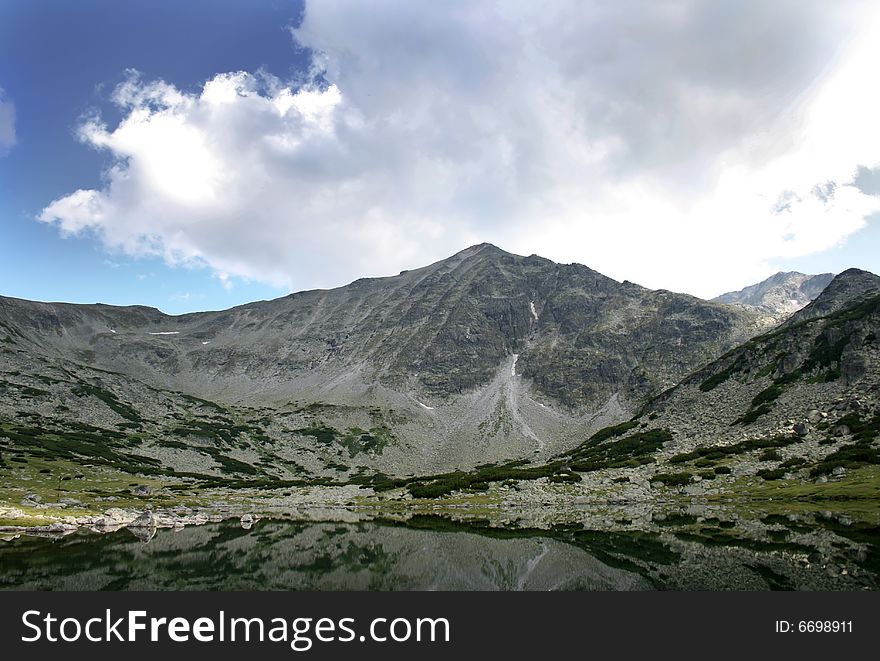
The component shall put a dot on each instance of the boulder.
(145, 520)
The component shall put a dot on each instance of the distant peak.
(480, 249)
(483, 246)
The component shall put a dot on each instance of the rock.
(802, 428)
(116, 518)
(11, 513)
(840, 430)
(822, 480)
(814, 416)
(142, 490)
(247, 521)
(72, 502)
(838, 471)
(145, 520)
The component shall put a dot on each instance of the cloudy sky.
(204, 155)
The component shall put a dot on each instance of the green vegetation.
(613, 431)
(768, 395)
(78, 442)
(863, 451)
(722, 451)
(672, 479)
(355, 440)
(634, 450)
(112, 402)
(859, 484)
(794, 462)
(751, 415)
(218, 429)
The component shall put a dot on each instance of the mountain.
(780, 295)
(802, 400)
(484, 356)
(852, 286)
(793, 414)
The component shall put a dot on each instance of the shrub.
(771, 474)
(672, 479)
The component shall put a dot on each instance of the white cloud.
(7, 123)
(678, 144)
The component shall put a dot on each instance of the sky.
(200, 155)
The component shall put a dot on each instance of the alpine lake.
(679, 546)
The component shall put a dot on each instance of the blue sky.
(204, 154)
(59, 60)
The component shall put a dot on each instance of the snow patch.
(208, 342)
(112, 331)
(533, 311)
(424, 406)
(165, 333)
(513, 364)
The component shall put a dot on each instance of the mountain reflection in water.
(679, 551)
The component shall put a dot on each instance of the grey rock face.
(780, 295)
(145, 520)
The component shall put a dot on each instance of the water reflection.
(676, 550)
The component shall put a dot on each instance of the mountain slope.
(850, 287)
(811, 387)
(480, 357)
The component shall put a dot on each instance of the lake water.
(680, 550)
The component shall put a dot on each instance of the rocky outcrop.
(780, 295)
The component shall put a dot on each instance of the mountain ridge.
(484, 354)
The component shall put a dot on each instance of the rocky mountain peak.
(846, 289)
(780, 295)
